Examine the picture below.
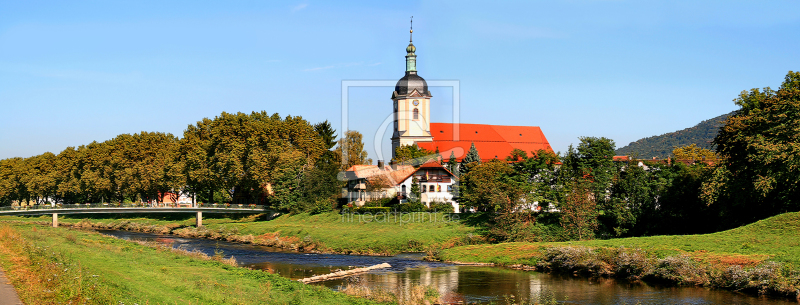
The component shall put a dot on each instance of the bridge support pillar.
(55, 220)
(199, 219)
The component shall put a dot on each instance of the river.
(470, 284)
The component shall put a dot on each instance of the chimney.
(393, 165)
(380, 164)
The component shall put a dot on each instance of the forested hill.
(661, 146)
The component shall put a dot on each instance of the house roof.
(372, 171)
(491, 141)
(427, 165)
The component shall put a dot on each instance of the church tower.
(411, 99)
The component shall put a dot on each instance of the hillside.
(774, 238)
(661, 146)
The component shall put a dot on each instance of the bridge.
(112, 208)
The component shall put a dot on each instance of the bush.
(383, 202)
(366, 209)
(631, 263)
(575, 260)
(443, 207)
(411, 206)
(681, 270)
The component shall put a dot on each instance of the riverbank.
(321, 233)
(760, 258)
(58, 266)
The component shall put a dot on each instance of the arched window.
(416, 114)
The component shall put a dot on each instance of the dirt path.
(8, 295)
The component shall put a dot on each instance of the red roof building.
(491, 141)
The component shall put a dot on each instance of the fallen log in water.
(341, 274)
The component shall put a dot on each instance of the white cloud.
(319, 68)
(299, 7)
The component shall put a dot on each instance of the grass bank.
(59, 266)
(325, 233)
(761, 257)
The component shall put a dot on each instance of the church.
(411, 104)
(412, 126)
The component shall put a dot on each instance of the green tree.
(415, 191)
(327, 133)
(11, 176)
(592, 160)
(578, 210)
(351, 150)
(251, 156)
(196, 153)
(452, 164)
(148, 165)
(40, 177)
(413, 155)
(693, 152)
(760, 144)
(471, 157)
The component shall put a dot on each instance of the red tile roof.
(372, 171)
(620, 158)
(491, 141)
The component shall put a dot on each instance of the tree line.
(283, 162)
(752, 175)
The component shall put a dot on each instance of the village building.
(373, 182)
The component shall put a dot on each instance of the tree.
(327, 133)
(41, 177)
(593, 161)
(471, 157)
(148, 165)
(693, 152)
(195, 152)
(11, 186)
(489, 186)
(415, 191)
(452, 164)
(413, 155)
(578, 210)
(252, 156)
(760, 144)
(351, 150)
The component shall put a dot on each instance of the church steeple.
(411, 99)
(411, 58)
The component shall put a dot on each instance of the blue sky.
(73, 72)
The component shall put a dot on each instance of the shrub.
(443, 207)
(383, 202)
(631, 263)
(575, 260)
(411, 206)
(372, 210)
(680, 270)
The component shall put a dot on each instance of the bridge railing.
(132, 205)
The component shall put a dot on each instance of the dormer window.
(416, 114)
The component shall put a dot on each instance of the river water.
(470, 284)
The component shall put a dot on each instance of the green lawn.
(775, 239)
(327, 232)
(124, 272)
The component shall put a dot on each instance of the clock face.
(416, 103)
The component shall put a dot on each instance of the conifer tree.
(451, 163)
(472, 156)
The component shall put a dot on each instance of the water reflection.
(471, 284)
